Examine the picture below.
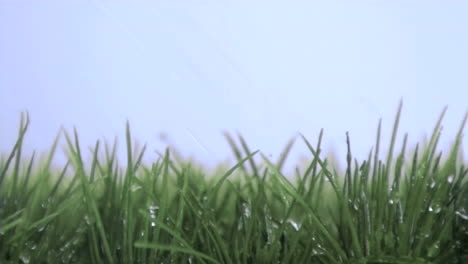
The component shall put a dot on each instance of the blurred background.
(182, 72)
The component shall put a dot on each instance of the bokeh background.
(182, 72)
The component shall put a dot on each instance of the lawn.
(407, 206)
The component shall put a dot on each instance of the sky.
(182, 72)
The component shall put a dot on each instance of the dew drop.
(88, 220)
(153, 207)
(135, 188)
(434, 250)
(76, 241)
(294, 224)
(462, 214)
(239, 225)
(41, 228)
(318, 250)
(434, 208)
(450, 178)
(355, 206)
(32, 246)
(24, 258)
(152, 212)
(246, 210)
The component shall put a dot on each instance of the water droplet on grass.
(354, 204)
(25, 258)
(89, 220)
(294, 224)
(240, 225)
(246, 210)
(135, 188)
(153, 207)
(462, 214)
(41, 228)
(318, 250)
(152, 213)
(434, 208)
(450, 178)
(76, 241)
(67, 258)
(434, 250)
(31, 246)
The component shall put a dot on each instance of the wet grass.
(408, 208)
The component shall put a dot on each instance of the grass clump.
(406, 209)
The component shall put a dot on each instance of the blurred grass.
(406, 209)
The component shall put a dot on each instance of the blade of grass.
(175, 249)
(91, 204)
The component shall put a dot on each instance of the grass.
(408, 208)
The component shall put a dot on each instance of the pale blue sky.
(267, 69)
